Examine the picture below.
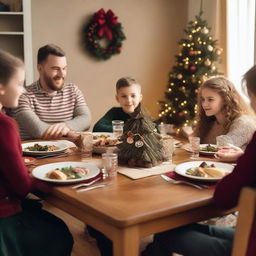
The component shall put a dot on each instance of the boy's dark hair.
(125, 82)
(49, 49)
(249, 79)
(8, 66)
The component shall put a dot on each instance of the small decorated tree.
(194, 63)
(141, 145)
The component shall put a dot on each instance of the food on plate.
(105, 140)
(38, 147)
(206, 171)
(100, 136)
(67, 173)
(209, 148)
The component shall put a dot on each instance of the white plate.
(204, 152)
(103, 149)
(182, 168)
(41, 171)
(61, 147)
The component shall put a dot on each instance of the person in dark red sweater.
(25, 229)
(201, 240)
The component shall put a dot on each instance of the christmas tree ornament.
(193, 68)
(207, 62)
(130, 140)
(179, 76)
(205, 30)
(210, 48)
(139, 143)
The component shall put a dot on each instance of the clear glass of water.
(168, 148)
(110, 164)
(118, 127)
(195, 146)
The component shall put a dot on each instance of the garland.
(104, 25)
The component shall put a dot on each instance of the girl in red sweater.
(25, 229)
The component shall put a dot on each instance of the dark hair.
(125, 82)
(249, 79)
(49, 49)
(8, 66)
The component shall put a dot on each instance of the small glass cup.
(195, 146)
(118, 127)
(165, 129)
(109, 164)
(168, 148)
(85, 143)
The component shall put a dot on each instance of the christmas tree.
(141, 145)
(194, 63)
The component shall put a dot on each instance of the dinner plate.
(205, 152)
(41, 171)
(182, 168)
(103, 149)
(59, 144)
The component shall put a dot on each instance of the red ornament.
(193, 68)
(180, 114)
(191, 53)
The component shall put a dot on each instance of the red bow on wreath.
(106, 21)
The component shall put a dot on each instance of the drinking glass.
(165, 128)
(118, 126)
(109, 164)
(168, 148)
(85, 144)
(195, 146)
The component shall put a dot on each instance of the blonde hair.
(233, 105)
(126, 82)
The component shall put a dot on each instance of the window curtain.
(240, 39)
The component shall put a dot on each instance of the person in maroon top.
(25, 229)
(200, 240)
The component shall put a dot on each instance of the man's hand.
(56, 131)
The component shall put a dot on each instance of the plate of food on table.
(43, 147)
(204, 170)
(66, 172)
(208, 149)
(103, 141)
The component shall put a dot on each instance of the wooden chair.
(247, 213)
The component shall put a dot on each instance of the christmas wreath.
(104, 28)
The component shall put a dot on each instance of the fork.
(94, 187)
(86, 184)
(180, 182)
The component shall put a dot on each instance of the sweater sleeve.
(13, 171)
(241, 131)
(227, 192)
(104, 124)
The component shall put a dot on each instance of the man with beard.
(51, 108)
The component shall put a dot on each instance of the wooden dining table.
(128, 210)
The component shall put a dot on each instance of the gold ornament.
(207, 62)
(205, 30)
(210, 48)
(179, 76)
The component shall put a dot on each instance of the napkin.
(204, 184)
(138, 173)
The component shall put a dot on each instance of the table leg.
(126, 242)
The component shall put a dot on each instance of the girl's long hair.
(233, 105)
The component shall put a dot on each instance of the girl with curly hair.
(223, 112)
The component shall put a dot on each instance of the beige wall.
(152, 28)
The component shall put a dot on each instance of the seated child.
(222, 111)
(128, 94)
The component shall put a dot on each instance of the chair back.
(247, 213)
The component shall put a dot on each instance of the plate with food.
(28, 160)
(66, 172)
(104, 140)
(205, 171)
(43, 147)
(208, 149)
